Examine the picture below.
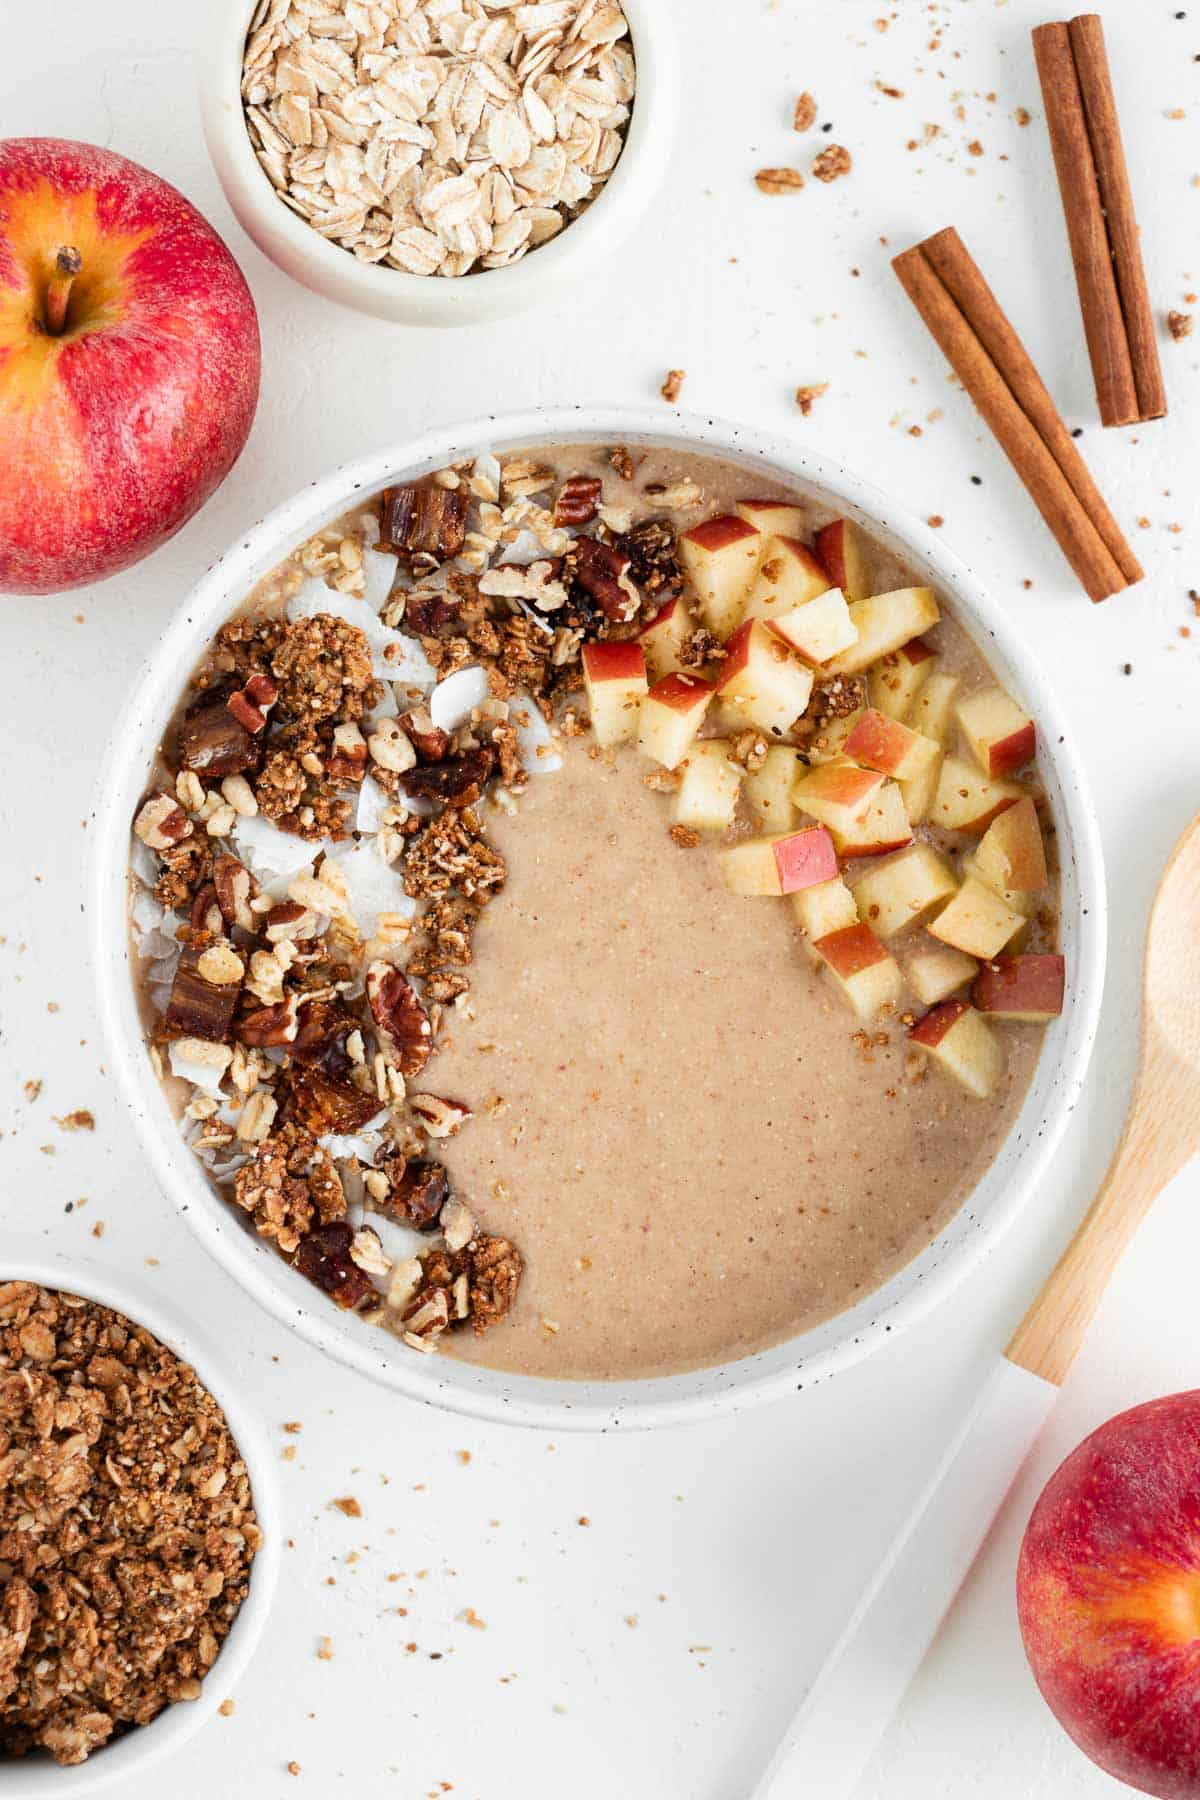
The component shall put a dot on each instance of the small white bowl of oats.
(436, 164)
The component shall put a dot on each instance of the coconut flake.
(535, 740)
(375, 886)
(200, 1063)
(399, 1241)
(362, 1144)
(146, 914)
(271, 854)
(372, 804)
(379, 572)
(454, 700)
(394, 657)
(143, 861)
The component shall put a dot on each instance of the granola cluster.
(303, 1021)
(127, 1525)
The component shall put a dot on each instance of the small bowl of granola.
(161, 1482)
(433, 164)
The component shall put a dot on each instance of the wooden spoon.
(847, 1709)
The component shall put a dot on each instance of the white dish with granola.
(596, 913)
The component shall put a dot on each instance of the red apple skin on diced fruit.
(837, 793)
(779, 865)
(1002, 737)
(720, 557)
(885, 744)
(671, 716)
(662, 640)
(968, 801)
(956, 1036)
(788, 575)
(882, 828)
(768, 789)
(706, 798)
(897, 678)
(820, 629)
(614, 676)
(1021, 987)
(774, 518)
(884, 622)
(771, 686)
(867, 974)
(840, 555)
(1012, 855)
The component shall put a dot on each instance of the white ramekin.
(589, 241)
(441, 1380)
(36, 1777)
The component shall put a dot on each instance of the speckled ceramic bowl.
(440, 1380)
(128, 1757)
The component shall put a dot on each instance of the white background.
(656, 1651)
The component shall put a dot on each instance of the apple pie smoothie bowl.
(595, 914)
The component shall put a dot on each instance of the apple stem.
(67, 265)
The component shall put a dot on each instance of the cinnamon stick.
(1093, 180)
(992, 365)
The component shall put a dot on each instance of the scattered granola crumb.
(806, 395)
(464, 1457)
(833, 161)
(325, 1649)
(805, 115)
(469, 1616)
(32, 1090)
(1022, 115)
(583, 1519)
(779, 181)
(893, 93)
(292, 1426)
(975, 148)
(349, 1505)
(671, 386)
(98, 1229)
(1179, 324)
(227, 1708)
(293, 1768)
(684, 838)
(936, 520)
(79, 1120)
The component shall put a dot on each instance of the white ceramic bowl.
(591, 240)
(441, 1380)
(37, 1777)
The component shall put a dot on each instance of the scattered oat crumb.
(778, 181)
(289, 1453)
(893, 93)
(1177, 112)
(833, 161)
(805, 115)
(227, 1709)
(1179, 324)
(1143, 524)
(975, 148)
(1022, 115)
(915, 431)
(325, 1649)
(631, 1620)
(79, 1120)
(686, 839)
(583, 1519)
(349, 1505)
(470, 1617)
(293, 1768)
(292, 1426)
(550, 1325)
(671, 386)
(98, 1229)
(806, 395)
(32, 1090)
(464, 1457)
(936, 520)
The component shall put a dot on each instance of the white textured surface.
(758, 1531)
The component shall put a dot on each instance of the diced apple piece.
(614, 676)
(903, 890)
(706, 798)
(721, 557)
(819, 629)
(934, 709)
(898, 677)
(826, 908)
(779, 865)
(956, 1036)
(884, 826)
(935, 971)
(885, 744)
(788, 576)
(867, 974)
(828, 743)
(884, 622)
(976, 921)
(671, 716)
(1002, 737)
(768, 790)
(840, 555)
(774, 518)
(664, 637)
(839, 794)
(1021, 987)
(1013, 898)
(770, 685)
(965, 800)
(1011, 854)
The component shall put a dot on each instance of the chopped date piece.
(324, 1257)
(429, 614)
(210, 740)
(578, 500)
(320, 1040)
(323, 1105)
(323, 667)
(234, 888)
(199, 1008)
(269, 1026)
(599, 568)
(430, 742)
(457, 782)
(400, 1017)
(417, 1191)
(423, 520)
(653, 559)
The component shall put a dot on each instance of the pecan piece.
(162, 822)
(324, 1258)
(251, 704)
(199, 1008)
(417, 1194)
(348, 761)
(599, 569)
(400, 1017)
(210, 740)
(324, 1105)
(427, 1314)
(269, 1026)
(423, 520)
(458, 782)
(430, 742)
(320, 1041)
(234, 888)
(206, 919)
(578, 500)
(438, 1118)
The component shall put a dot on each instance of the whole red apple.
(129, 363)
(1108, 1592)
